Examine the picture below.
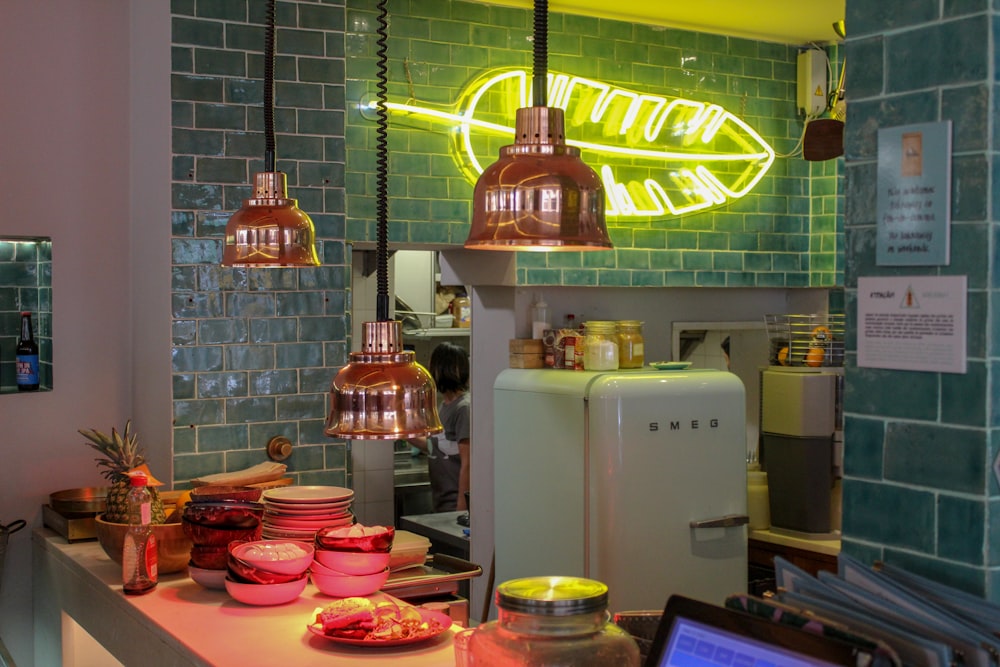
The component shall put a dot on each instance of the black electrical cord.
(269, 151)
(540, 74)
(382, 171)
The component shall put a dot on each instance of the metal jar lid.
(552, 596)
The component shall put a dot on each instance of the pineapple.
(121, 454)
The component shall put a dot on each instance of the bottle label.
(27, 369)
(146, 513)
(152, 561)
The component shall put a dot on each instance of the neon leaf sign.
(657, 155)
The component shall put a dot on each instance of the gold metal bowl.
(173, 547)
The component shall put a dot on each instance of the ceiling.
(766, 20)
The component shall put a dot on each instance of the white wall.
(69, 173)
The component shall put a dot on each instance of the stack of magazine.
(901, 617)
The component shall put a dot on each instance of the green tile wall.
(788, 232)
(254, 350)
(919, 489)
(25, 285)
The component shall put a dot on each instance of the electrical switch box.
(813, 85)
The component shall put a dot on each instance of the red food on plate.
(359, 620)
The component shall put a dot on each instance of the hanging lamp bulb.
(382, 393)
(539, 195)
(270, 229)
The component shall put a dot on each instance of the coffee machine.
(801, 423)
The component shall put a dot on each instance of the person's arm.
(419, 443)
(463, 475)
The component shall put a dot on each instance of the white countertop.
(182, 623)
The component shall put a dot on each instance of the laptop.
(692, 633)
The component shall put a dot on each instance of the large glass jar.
(600, 346)
(631, 352)
(552, 622)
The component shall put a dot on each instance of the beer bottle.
(27, 357)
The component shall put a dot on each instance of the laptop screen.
(694, 644)
(692, 633)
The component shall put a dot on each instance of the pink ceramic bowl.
(339, 585)
(277, 556)
(353, 562)
(266, 594)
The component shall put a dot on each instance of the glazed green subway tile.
(710, 278)
(322, 329)
(968, 108)
(292, 304)
(192, 466)
(221, 170)
(679, 279)
(335, 353)
(580, 277)
(772, 279)
(308, 458)
(745, 242)
(194, 304)
(961, 529)
(727, 261)
(650, 238)
(964, 395)
(324, 478)
(454, 210)
(299, 355)
(864, 456)
(889, 514)
(314, 380)
(543, 277)
(198, 142)
(302, 42)
(196, 88)
(239, 304)
(614, 277)
(694, 260)
(222, 385)
(209, 62)
(960, 576)
(301, 406)
(646, 278)
(993, 533)
(740, 279)
(681, 240)
(970, 175)
(334, 455)
(183, 386)
(245, 410)
(222, 330)
(940, 457)
(272, 329)
(195, 413)
(184, 440)
(668, 260)
(562, 260)
(302, 147)
(195, 32)
(259, 280)
(713, 241)
(942, 53)
(249, 357)
(633, 259)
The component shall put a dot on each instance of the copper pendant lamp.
(270, 229)
(539, 195)
(383, 393)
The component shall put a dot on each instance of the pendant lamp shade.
(539, 195)
(382, 393)
(270, 229)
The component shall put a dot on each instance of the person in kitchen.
(448, 453)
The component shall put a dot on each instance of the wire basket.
(5, 532)
(805, 340)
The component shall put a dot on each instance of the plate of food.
(362, 622)
(670, 365)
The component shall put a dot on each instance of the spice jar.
(600, 346)
(630, 344)
(552, 621)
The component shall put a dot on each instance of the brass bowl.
(79, 501)
(173, 546)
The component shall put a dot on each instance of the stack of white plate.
(297, 512)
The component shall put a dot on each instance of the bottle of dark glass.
(27, 356)
(139, 554)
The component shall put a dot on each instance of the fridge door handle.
(728, 521)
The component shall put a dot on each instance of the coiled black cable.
(540, 74)
(382, 170)
(269, 151)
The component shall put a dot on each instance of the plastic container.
(461, 310)
(631, 347)
(600, 346)
(408, 549)
(552, 621)
(540, 320)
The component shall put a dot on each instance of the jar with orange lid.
(631, 352)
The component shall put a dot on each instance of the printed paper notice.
(914, 323)
(914, 195)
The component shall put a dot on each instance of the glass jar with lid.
(631, 353)
(600, 346)
(550, 622)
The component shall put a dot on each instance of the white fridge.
(633, 478)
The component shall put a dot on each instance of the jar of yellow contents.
(631, 352)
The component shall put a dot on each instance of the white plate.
(308, 494)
